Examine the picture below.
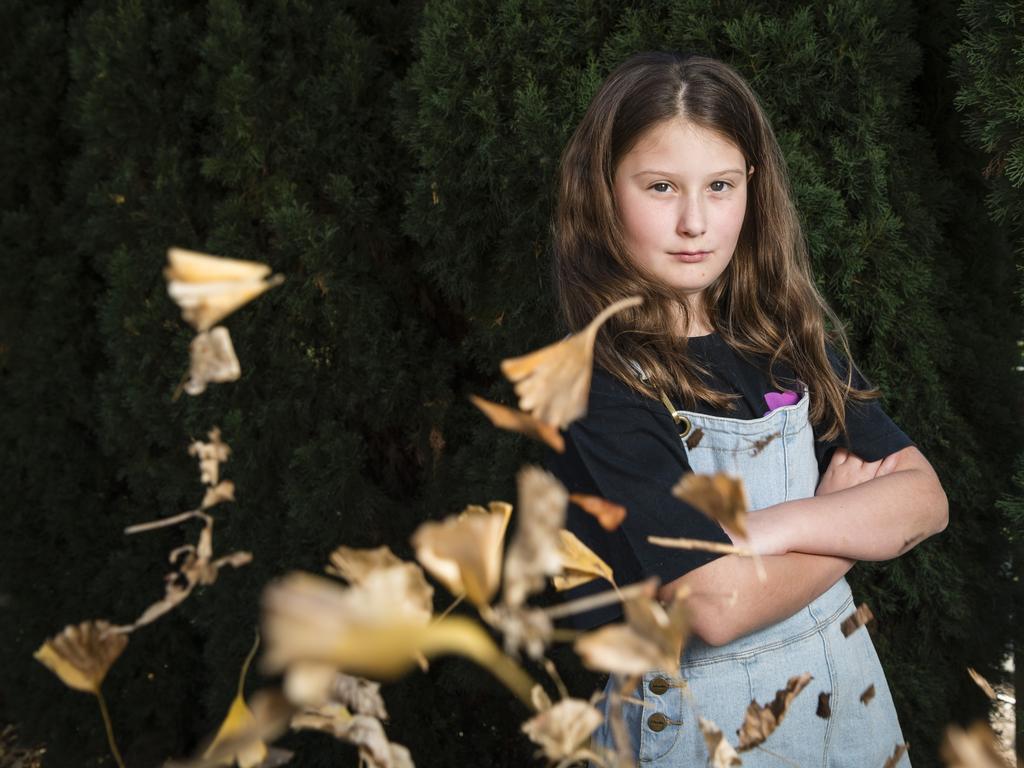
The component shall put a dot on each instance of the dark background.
(396, 163)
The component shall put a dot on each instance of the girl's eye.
(727, 185)
(660, 184)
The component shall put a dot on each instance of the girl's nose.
(691, 221)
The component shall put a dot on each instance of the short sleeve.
(626, 450)
(872, 435)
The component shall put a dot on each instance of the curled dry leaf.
(976, 747)
(563, 729)
(539, 697)
(720, 751)
(464, 552)
(761, 722)
(311, 619)
(824, 710)
(80, 655)
(209, 288)
(223, 491)
(522, 627)
(579, 563)
(535, 551)
(212, 360)
(608, 514)
(211, 455)
(897, 754)
(982, 683)
(197, 567)
(651, 638)
(552, 383)
(366, 733)
(353, 564)
(720, 496)
(312, 684)
(868, 694)
(857, 619)
(504, 417)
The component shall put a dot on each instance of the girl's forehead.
(683, 145)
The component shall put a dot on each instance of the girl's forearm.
(727, 599)
(876, 520)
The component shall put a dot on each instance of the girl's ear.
(750, 172)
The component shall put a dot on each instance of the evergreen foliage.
(396, 163)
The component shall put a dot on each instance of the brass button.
(658, 685)
(657, 722)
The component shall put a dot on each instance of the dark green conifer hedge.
(396, 163)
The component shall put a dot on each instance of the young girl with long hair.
(674, 187)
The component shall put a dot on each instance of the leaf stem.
(109, 728)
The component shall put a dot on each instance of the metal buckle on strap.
(679, 417)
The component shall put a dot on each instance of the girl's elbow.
(710, 626)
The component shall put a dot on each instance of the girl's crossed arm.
(875, 520)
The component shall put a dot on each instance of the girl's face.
(681, 194)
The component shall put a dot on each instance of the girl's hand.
(846, 470)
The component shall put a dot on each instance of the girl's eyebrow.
(716, 173)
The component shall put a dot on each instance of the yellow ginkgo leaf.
(579, 563)
(306, 619)
(209, 288)
(464, 552)
(553, 382)
(82, 654)
(561, 730)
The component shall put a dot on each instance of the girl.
(673, 186)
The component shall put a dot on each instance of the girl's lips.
(690, 258)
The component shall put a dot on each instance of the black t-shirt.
(626, 449)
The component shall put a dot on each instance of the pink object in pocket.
(779, 399)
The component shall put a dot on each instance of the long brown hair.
(765, 302)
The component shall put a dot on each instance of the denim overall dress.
(774, 454)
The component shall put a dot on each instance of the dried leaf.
(982, 683)
(522, 628)
(706, 546)
(562, 730)
(311, 619)
(553, 382)
(651, 638)
(694, 438)
(720, 751)
(897, 754)
(720, 496)
(760, 722)
(857, 619)
(312, 684)
(579, 563)
(365, 732)
(197, 567)
(976, 747)
(212, 360)
(210, 456)
(209, 288)
(608, 514)
(353, 564)
(464, 552)
(82, 654)
(504, 417)
(535, 551)
(223, 491)
(868, 694)
(824, 711)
